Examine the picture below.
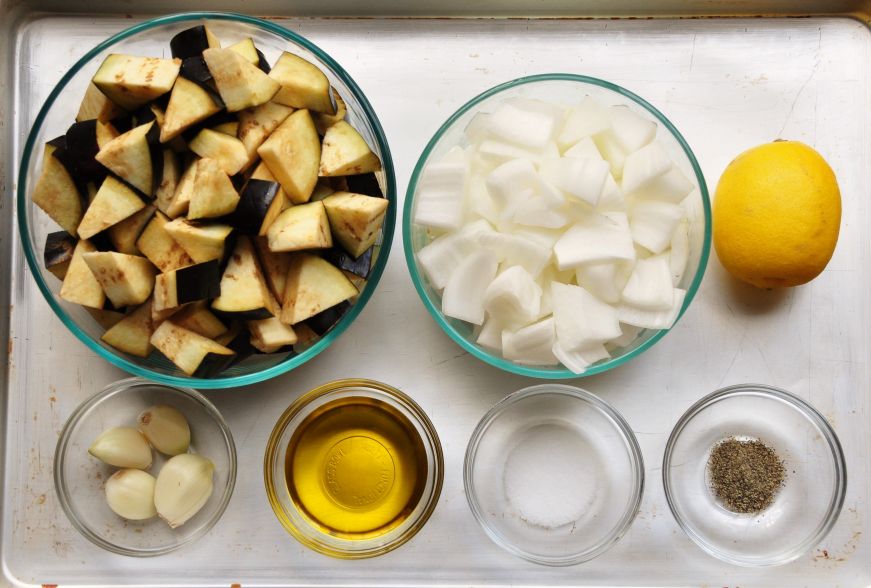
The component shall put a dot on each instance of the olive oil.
(356, 468)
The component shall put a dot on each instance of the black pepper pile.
(745, 475)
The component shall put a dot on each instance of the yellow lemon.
(777, 213)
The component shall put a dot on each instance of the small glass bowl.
(298, 523)
(804, 509)
(522, 493)
(79, 477)
(566, 89)
(58, 113)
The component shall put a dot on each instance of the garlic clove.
(184, 484)
(122, 447)
(166, 429)
(130, 494)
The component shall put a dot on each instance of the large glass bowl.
(804, 509)
(565, 89)
(58, 113)
(79, 478)
(554, 475)
(299, 523)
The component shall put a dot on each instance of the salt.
(550, 476)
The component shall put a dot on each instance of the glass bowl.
(804, 509)
(79, 477)
(152, 38)
(521, 485)
(371, 481)
(565, 89)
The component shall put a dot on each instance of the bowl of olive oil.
(353, 469)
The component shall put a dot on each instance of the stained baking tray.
(727, 83)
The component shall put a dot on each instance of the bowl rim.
(274, 453)
(120, 387)
(387, 230)
(619, 423)
(417, 278)
(814, 416)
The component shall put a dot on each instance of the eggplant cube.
(123, 235)
(196, 317)
(189, 104)
(256, 124)
(189, 284)
(359, 266)
(96, 105)
(301, 227)
(193, 354)
(313, 285)
(228, 151)
(271, 333)
(246, 49)
(58, 253)
(136, 157)
(355, 220)
(131, 81)
(303, 84)
(113, 203)
(159, 247)
(192, 42)
(213, 193)
(324, 121)
(80, 285)
(274, 265)
(346, 153)
(240, 83)
(201, 242)
(244, 292)
(126, 279)
(132, 334)
(57, 194)
(292, 153)
(255, 206)
(327, 319)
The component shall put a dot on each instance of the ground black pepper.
(745, 475)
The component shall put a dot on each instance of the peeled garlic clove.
(184, 484)
(130, 494)
(166, 429)
(122, 447)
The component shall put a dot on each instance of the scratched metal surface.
(727, 84)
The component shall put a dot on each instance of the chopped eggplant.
(244, 292)
(113, 203)
(228, 128)
(238, 339)
(364, 184)
(228, 151)
(197, 318)
(189, 104)
(246, 49)
(271, 332)
(82, 146)
(358, 282)
(184, 191)
(202, 242)
(213, 193)
(131, 81)
(106, 131)
(193, 354)
(192, 42)
(189, 284)
(303, 84)
(251, 214)
(321, 191)
(195, 69)
(345, 153)
(305, 337)
(240, 83)
(256, 124)
(355, 220)
(301, 227)
(324, 121)
(169, 181)
(292, 153)
(124, 234)
(327, 319)
(126, 279)
(359, 266)
(313, 285)
(132, 334)
(274, 265)
(160, 248)
(58, 253)
(279, 204)
(96, 105)
(136, 157)
(57, 193)
(262, 63)
(105, 317)
(80, 286)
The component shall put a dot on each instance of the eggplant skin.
(189, 43)
(198, 282)
(213, 364)
(82, 147)
(343, 260)
(262, 63)
(254, 314)
(327, 319)
(194, 68)
(364, 184)
(59, 247)
(256, 197)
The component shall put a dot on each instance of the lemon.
(777, 213)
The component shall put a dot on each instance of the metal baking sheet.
(727, 83)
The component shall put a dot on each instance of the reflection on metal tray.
(726, 83)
